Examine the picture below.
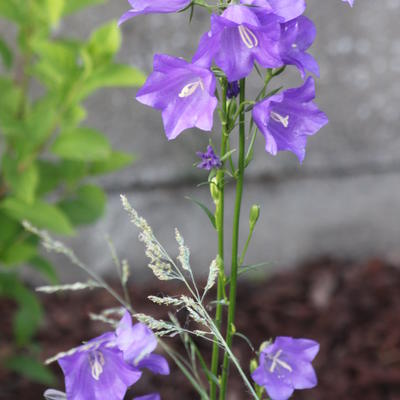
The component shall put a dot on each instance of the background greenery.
(48, 155)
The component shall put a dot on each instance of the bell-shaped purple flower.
(285, 365)
(137, 342)
(183, 91)
(97, 370)
(107, 365)
(286, 9)
(237, 39)
(288, 118)
(153, 7)
(209, 159)
(297, 36)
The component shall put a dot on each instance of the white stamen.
(248, 37)
(278, 118)
(190, 88)
(96, 360)
(276, 361)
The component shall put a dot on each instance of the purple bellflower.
(233, 89)
(285, 365)
(286, 9)
(351, 2)
(107, 365)
(90, 372)
(183, 91)
(288, 118)
(297, 36)
(209, 159)
(237, 39)
(137, 342)
(153, 6)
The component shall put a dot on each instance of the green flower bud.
(254, 215)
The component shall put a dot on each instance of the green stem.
(235, 244)
(243, 255)
(219, 218)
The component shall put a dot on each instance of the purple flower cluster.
(270, 33)
(106, 366)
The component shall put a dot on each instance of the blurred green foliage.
(46, 150)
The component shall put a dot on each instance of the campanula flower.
(288, 118)
(285, 365)
(107, 365)
(286, 9)
(209, 159)
(297, 36)
(153, 6)
(90, 372)
(237, 39)
(183, 91)
(137, 342)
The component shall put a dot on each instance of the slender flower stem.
(235, 244)
(219, 219)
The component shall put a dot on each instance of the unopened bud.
(254, 215)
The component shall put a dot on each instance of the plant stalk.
(235, 243)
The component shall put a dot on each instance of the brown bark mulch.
(353, 310)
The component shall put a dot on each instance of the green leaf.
(47, 12)
(40, 214)
(31, 368)
(45, 268)
(82, 144)
(115, 162)
(111, 75)
(73, 117)
(9, 231)
(14, 10)
(73, 6)
(104, 43)
(86, 206)
(209, 214)
(18, 253)
(22, 182)
(6, 54)
(50, 176)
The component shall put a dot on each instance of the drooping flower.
(285, 365)
(97, 370)
(237, 39)
(137, 342)
(288, 118)
(107, 365)
(153, 7)
(183, 91)
(286, 9)
(209, 159)
(296, 37)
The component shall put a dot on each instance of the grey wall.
(345, 199)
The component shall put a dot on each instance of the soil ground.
(352, 309)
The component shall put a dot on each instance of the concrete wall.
(345, 199)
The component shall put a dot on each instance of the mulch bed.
(353, 310)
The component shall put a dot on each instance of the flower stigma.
(248, 37)
(277, 361)
(96, 360)
(278, 118)
(190, 88)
